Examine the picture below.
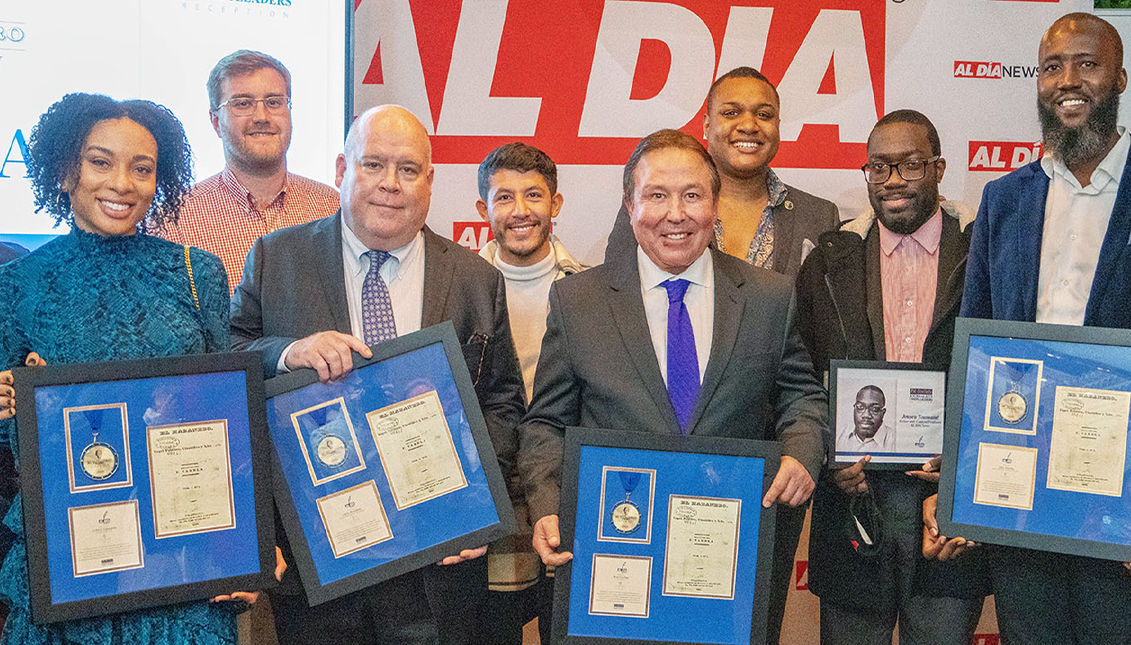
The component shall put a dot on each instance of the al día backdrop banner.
(585, 79)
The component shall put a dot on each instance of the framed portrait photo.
(893, 412)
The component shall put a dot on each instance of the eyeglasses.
(909, 170)
(874, 408)
(245, 105)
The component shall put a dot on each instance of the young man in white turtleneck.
(518, 197)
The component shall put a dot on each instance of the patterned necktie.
(683, 364)
(376, 306)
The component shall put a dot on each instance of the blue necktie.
(376, 306)
(683, 364)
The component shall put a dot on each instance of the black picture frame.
(669, 457)
(920, 394)
(43, 389)
(326, 575)
(1047, 517)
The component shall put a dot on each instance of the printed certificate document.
(620, 585)
(702, 547)
(105, 537)
(354, 518)
(1088, 447)
(1006, 476)
(190, 475)
(416, 448)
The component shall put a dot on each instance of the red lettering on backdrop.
(1002, 156)
(547, 51)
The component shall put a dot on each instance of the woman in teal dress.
(107, 291)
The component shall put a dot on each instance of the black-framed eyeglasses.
(908, 169)
(874, 408)
(245, 105)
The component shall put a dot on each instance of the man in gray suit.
(312, 294)
(609, 360)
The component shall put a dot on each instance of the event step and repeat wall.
(581, 79)
(161, 50)
(585, 79)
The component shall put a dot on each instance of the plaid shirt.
(222, 217)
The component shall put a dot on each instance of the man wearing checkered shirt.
(249, 95)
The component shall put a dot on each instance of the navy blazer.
(1006, 244)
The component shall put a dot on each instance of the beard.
(1088, 142)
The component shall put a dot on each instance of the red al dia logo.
(473, 235)
(1002, 156)
(976, 69)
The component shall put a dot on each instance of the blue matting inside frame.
(416, 527)
(1095, 517)
(671, 618)
(179, 559)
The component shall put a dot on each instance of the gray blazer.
(598, 369)
(800, 217)
(294, 285)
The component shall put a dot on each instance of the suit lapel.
(729, 309)
(1115, 243)
(952, 251)
(784, 233)
(875, 290)
(437, 280)
(1029, 228)
(627, 307)
(328, 255)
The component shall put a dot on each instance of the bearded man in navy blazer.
(1050, 244)
(735, 367)
(312, 294)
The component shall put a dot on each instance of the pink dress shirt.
(909, 267)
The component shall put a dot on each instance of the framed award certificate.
(1036, 442)
(144, 483)
(669, 538)
(893, 412)
(387, 470)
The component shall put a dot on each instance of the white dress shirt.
(699, 299)
(1076, 220)
(403, 274)
(883, 441)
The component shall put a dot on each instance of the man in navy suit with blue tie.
(1050, 244)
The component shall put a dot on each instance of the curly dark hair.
(56, 143)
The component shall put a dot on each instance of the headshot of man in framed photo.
(869, 430)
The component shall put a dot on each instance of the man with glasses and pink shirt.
(886, 286)
(249, 98)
